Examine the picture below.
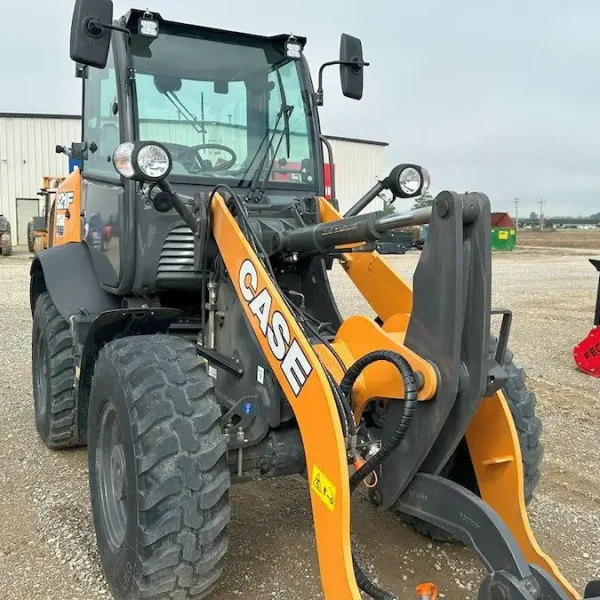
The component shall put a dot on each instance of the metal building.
(358, 165)
(27, 154)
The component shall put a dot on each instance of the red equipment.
(587, 352)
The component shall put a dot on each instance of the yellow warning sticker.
(323, 487)
(503, 235)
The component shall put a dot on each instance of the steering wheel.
(198, 164)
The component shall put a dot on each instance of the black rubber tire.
(53, 376)
(176, 475)
(529, 427)
(5, 244)
(30, 236)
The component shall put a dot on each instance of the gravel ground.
(47, 544)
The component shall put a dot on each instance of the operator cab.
(230, 108)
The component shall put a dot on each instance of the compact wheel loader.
(204, 345)
(41, 231)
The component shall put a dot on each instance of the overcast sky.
(500, 97)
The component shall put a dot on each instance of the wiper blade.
(286, 115)
(261, 165)
(186, 112)
(256, 193)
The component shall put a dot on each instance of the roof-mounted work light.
(148, 25)
(293, 48)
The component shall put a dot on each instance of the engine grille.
(176, 262)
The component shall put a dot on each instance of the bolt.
(442, 207)
(497, 592)
(376, 497)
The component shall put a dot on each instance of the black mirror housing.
(90, 41)
(351, 75)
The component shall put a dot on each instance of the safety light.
(408, 181)
(148, 26)
(142, 161)
(293, 48)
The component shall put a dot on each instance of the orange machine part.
(64, 225)
(386, 292)
(358, 336)
(496, 454)
(313, 404)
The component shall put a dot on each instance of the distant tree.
(595, 216)
(388, 205)
(534, 216)
(423, 201)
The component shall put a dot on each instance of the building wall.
(27, 154)
(358, 165)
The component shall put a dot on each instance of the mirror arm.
(95, 27)
(318, 95)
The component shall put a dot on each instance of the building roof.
(10, 115)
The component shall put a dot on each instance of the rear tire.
(521, 402)
(53, 376)
(38, 244)
(30, 236)
(159, 480)
(6, 244)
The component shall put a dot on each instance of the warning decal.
(323, 487)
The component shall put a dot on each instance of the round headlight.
(407, 181)
(426, 180)
(410, 181)
(123, 159)
(153, 161)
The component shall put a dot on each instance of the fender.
(108, 326)
(67, 273)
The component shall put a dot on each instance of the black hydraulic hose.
(339, 401)
(410, 405)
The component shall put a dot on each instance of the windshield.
(218, 106)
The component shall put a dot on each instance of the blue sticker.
(248, 408)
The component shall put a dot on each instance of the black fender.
(107, 326)
(67, 273)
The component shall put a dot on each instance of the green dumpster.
(504, 238)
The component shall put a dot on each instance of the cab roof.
(189, 29)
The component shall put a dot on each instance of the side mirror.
(351, 66)
(91, 31)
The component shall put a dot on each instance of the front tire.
(159, 480)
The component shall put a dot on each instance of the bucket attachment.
(587, 352)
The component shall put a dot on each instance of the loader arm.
(524, 571)
(305, 384)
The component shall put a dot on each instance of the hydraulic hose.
(410, 405)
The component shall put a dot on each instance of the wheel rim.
(41, 396)
(111, 477)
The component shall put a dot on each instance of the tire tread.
(62, 412)
(183, 477)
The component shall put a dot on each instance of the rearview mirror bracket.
(356, 66)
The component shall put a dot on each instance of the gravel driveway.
(47, 545)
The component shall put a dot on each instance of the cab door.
(102, 193)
